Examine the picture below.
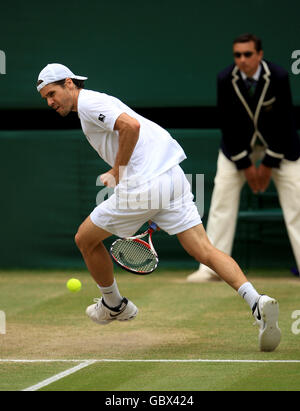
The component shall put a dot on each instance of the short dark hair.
(245, 38)
(78, 83)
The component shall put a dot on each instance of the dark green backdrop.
(154, 53)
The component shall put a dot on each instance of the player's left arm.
(129, 130)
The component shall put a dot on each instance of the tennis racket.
(134, 254)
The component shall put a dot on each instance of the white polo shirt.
(155, 152)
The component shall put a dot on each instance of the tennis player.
(144, 159)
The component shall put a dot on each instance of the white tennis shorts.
(167, 200)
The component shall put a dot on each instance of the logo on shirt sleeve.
(101, 117)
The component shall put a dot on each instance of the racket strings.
(134, 255)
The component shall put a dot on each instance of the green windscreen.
(149, 54)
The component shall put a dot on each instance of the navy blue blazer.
(265, 119)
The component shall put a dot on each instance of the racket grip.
(153, 226)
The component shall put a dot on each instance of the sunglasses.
(246, 54)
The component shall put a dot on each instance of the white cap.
(55, 72)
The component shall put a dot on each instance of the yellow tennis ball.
(74, 285)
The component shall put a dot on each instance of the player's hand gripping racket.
(134, 254)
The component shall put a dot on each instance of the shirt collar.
(255, 75)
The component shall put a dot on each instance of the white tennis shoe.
(203, 276)
(102, 314)
(265, 312)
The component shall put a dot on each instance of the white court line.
(92, 361)
(86, 363)
(59, 376)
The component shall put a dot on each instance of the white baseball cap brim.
(55, 72)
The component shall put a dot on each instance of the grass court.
(187, 337)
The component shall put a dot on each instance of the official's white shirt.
(255, 75)
(155, 152)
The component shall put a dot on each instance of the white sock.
(248, 292)
(111, 295)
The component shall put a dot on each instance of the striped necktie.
(250, 85)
